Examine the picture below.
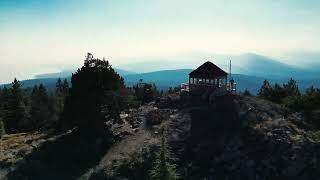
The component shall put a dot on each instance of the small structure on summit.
(207, 79)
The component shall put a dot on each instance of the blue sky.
(45, 36)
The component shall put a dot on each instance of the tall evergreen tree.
(59, 95)
(62, 91)
(1, 103)
(58, 86)
(17, 112)
(4, 102)
(39, 107)
(65, 87)
(163, 169)
(247, 92)
(312, 91)
(291, 88)
(277, 93)
(265, 90)
(2, 128)
(92, 86)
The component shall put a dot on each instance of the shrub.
(2, 129)
(145, 92)
(308, 102)
(247, 93)
(265, 90)
(155, 117)
(163, 169)
(278, 93)
(313, 136)
(295, 103)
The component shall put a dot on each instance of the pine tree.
(4, 103)
(59, 87)
(39, 108)
(2, 128)
(17, 113)
(90, 84)
(62, 91)
(59, 96)
(291, 88)
(1, 103)
(265, 90)
(54, 114)
(65, 87)
(311, 90)
(163, 169)
(247, 93)
(43, 95)
(277, 94)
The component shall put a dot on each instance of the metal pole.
(230, 70)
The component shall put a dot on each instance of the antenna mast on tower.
(230, 77)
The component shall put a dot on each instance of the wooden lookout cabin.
(207, 79)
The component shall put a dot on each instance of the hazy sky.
(44, 36)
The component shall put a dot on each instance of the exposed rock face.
(132, 157)
(243, 138)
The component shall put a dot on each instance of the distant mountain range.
(258, 65)
(249, 64)
(250, 71)
(172, 78)
(68, 73)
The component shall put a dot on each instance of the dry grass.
(13, 147)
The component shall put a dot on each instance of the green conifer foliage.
(93, 86)
(163, 169)
(62, 91)
(265, 90)
(2, 128)
(17, 113)
(39, 107)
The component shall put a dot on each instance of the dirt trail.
(130, 147)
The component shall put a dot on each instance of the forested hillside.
(173, 78)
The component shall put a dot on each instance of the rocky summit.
(231, 137)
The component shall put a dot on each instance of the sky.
(50, 35)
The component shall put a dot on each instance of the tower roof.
(207, 70)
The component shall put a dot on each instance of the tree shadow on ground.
(68, 157)
(212, 127)
(214, 123)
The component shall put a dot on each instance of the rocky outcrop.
(231, 137)
(243, 138)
